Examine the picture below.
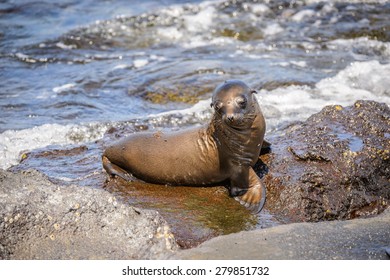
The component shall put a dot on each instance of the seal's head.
(233, 102)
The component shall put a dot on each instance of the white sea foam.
(201, 107)
(349, 1)
(299, 16)
(63, 46)
(257, 8)
(157, 58)
(170, 33)
(138, 63)
(361, 80)
(200, 21)
(13, 143)
(299, 63)
(272, 29)
(361, 46)
(200, 41)
(63, 87)
(121, 66)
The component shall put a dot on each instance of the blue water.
(69, 70)
(33, 63)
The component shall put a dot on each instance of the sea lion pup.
(225, 150)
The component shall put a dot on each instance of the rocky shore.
(40, 220)
(332, 170)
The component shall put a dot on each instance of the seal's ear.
(253, 91)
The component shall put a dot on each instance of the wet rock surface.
(195, 214)
(40, 220)
(335, 165)
(356, 239)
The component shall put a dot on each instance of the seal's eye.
(217, 106)
(241, 101)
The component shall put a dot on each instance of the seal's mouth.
(238, 121)
(234, 120)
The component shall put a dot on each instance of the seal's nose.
(230, 118)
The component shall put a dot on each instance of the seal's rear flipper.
(115, 170)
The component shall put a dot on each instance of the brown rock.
(335, 165)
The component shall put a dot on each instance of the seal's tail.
(115, 170)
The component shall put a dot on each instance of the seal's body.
(224, 150)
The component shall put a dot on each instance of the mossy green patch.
(179, 94)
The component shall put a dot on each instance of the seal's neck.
(236, 143)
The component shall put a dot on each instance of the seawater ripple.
(157, 62)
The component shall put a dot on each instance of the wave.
(359, 81)
(13, 143)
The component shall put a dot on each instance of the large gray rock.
(335, 165)
(355, 239)
(40, 220)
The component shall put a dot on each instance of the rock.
(355, 239)
(335, 165)
(40, 220)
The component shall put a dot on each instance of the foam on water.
(201, 111)
(349, 1)
(170, 33)
(138, 63)
(362, 46)
(299, 16)
(194, 30)
(13, 143)
(200, 21)
(63, 87)
(272, 29)
(65, 47)
(361, 80)
(257, 8)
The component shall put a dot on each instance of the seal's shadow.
(260, 167)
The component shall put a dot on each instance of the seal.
(223, 151)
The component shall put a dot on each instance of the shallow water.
(72, 70)
(194, 214)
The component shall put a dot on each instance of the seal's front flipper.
(254, 198)
(114, 170)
